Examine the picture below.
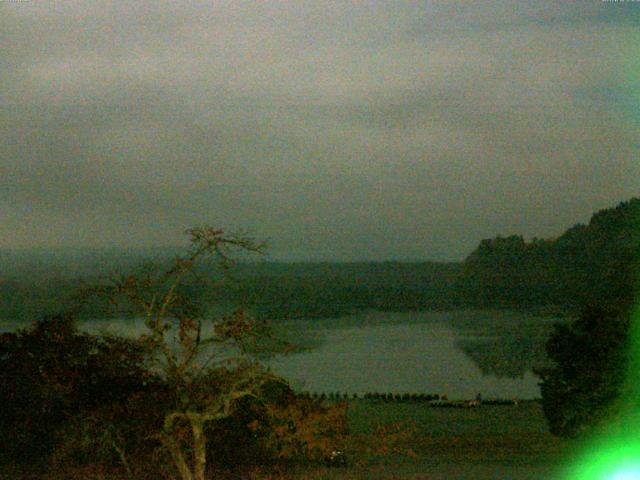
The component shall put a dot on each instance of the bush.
(52, 375)
(580, 389)
(302, 429)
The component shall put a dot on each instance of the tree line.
(591, 381)
(587, 263)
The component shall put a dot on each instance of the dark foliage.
(71, 400)
(587, 377)
(594, 263)
(51, 374)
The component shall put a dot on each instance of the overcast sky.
(337, 130)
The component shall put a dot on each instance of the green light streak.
(613, 452)
(608, 458)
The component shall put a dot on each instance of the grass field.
(414, 441)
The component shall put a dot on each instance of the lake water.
(401, 353)
(459, 354)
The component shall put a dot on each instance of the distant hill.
(33, 284)
(68, 262)
(315, 290)
(597, 262)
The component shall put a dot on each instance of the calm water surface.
(421, 356)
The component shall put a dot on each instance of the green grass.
(482, 443)
(446, 439)
(524, 418)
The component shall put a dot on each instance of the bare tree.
(204, 358)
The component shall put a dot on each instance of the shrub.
(586, 379)
(52, 375)
(303, 430)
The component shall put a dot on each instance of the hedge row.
(389, 397)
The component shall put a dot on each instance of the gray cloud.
(339, 130)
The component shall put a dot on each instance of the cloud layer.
(339, 130)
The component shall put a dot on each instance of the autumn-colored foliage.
(304, 429)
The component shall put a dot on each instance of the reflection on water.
(420, 352)
(503, 344)
(504, 356)
(459, 354)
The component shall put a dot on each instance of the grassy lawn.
(419, 442)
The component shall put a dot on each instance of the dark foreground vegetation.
(73, 402)
(183, 400)
(384, 440)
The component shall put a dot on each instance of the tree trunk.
(123, 459)
(178, 459)
(199, 447)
